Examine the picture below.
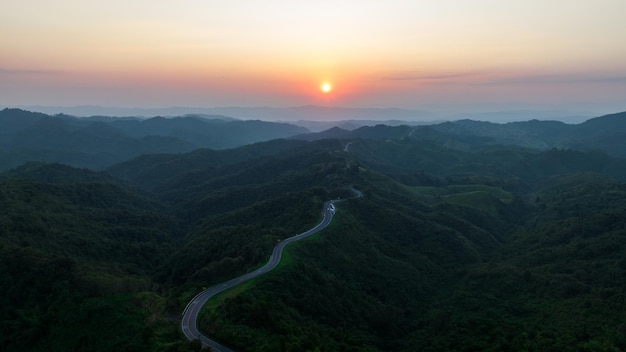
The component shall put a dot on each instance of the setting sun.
(326, 87)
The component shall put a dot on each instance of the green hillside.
(77, 261)
(455, 246)
(407, 276)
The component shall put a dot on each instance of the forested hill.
(98, 142)
(92, 263)
(459, 244)
(406, 268)
(605, 133)
(77, 257)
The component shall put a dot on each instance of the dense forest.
(462, 242)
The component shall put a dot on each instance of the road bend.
(189, 323)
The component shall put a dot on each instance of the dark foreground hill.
(457, 245)
(77, 254)
(402, 268)
(472, 263)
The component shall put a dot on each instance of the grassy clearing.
(475, 196)
(218, 299)
(288, 256)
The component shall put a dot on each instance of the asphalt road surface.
(190, 314)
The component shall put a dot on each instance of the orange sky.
(394, 53)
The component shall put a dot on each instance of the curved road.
(190, 314)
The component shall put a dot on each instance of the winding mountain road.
(190, 314)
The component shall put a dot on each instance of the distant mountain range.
(97, 142)
(318, 118)
(606, 133)
(100, 141)
(291, 114)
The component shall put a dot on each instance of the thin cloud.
(556, 79)
(413, 76)
(4, 71)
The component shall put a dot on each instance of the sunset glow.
(398, 53)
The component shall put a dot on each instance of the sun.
(326, 87)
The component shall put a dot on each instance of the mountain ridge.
(604, 133)
(101, 142)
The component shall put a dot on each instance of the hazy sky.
(467, 54)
